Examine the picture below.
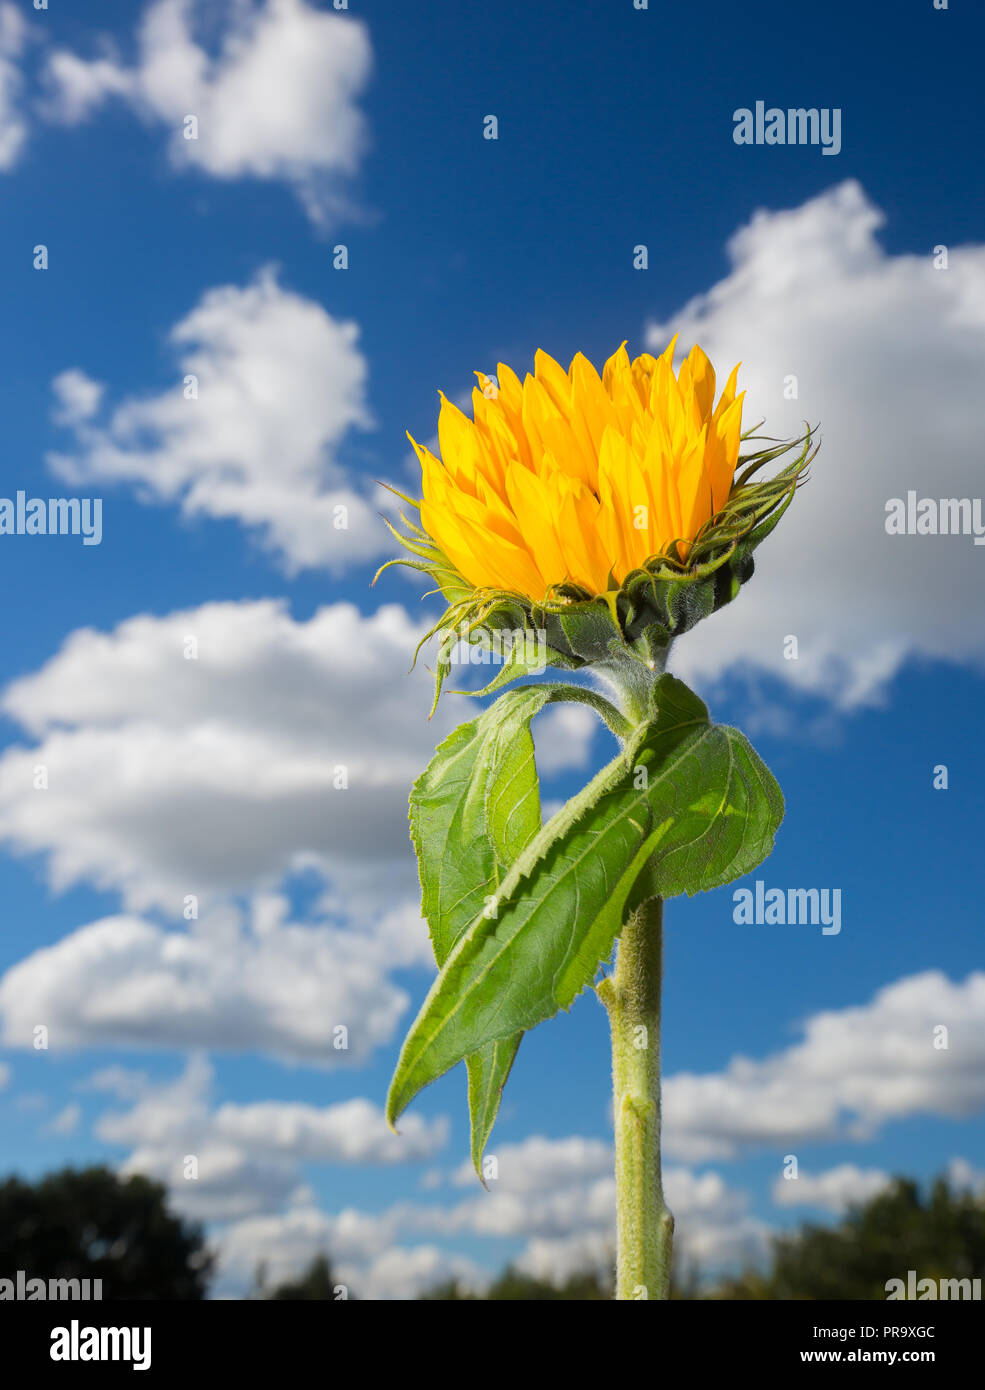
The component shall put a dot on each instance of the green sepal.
(527, 657)
(662, 599)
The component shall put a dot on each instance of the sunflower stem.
(632, 681)
(645, 1227)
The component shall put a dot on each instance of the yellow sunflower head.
(570, 478)
(595, 506)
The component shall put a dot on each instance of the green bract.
(639, 619)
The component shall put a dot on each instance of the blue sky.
(213, 777)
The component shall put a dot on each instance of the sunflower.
(575, 478)
(594, 510)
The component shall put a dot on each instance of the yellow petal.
(580, 477)
(584, 553)
(546, 423)
(530, 498)
(553, 378)
(617, 365)
(702, 377)
(728, 432)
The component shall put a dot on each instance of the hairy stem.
(645, 1227)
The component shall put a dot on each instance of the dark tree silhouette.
(940, 1235)
(513, 1286)
(92, 1224)
(317, 1283)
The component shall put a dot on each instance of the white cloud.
(835, 1190)
(249, 1181)
(711, 1223)
(539, 1165)
(711, 1227)
(556, 1259)
(559, 1195)
(13, 127)
(275, 98)
(280, 1244)
(403, 1272)
(215, 775)
(352, 1131)
(889, 354)
(78, 396)
(555, 1195)
(564, 738)
(78, 86)
(66, 1121)
(122, 1082)
(280, 383)
(266, 985)
(186, 785)
(855, 1069)
(965, 1175)
(170, 776)
(361, 1248)
(249, 1157)
(504, 1211)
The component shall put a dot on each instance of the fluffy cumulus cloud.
(13, 126)
(834, 1190)
(363, 1250)
(246, 1159)
(553, 1199)
(887, 352)
(207, 756)
(216, 749)
(240, 1168)
(77, 396)
(564, 739)
(557, 1196)
(716, 1228)
(272, 744)
(272, 87)
(856, 1069)
(314, 993)
(268, 387)
(538, 1164)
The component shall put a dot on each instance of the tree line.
(92, 1223)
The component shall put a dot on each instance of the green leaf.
(689, 801)
(488, 1072)
(474, 809)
